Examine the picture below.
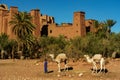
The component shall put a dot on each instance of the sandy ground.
(28, 70)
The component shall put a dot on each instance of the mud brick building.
(45, 25)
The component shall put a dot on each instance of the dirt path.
(28, 70)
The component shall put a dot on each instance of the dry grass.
(28, 70)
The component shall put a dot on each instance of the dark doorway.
(87, 29)
(44, 31)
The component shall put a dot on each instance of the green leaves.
(22, 25)
(3, 41)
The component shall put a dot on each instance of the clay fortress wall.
(45, 25)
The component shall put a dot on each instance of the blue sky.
(62, 10)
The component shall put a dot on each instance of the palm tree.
(110, 23)
(104, 28)
(22, 26)
(100, 28)
(3, 43)
(12, 46)
(96, 24)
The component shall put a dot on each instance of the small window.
(50, 31)
(65, 36)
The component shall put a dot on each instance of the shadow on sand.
(103, 70)
(69, 68)
(51, 71)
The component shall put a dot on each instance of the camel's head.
(86, 56)
(51, 55)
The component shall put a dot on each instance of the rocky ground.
(28, 70)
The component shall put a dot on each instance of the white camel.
(60, 58)
(97, 58)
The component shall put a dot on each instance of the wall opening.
(87, 29)
(50, 31)
(44, 30)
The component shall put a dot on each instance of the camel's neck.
(56, 60)
(53, 59)
(89, 59)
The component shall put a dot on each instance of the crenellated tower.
(3, 18)
(79, 23)
(13, 10)
(36, 20)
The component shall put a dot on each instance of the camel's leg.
(66, 67)
(59, 67)
(104, 67)
(101, 65)
(94, 67)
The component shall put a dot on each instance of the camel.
(97, 58)
(60, 58)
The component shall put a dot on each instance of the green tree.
(109, 23)
(12, 48)
(22, 27)
(103, 29)
(3, 43)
